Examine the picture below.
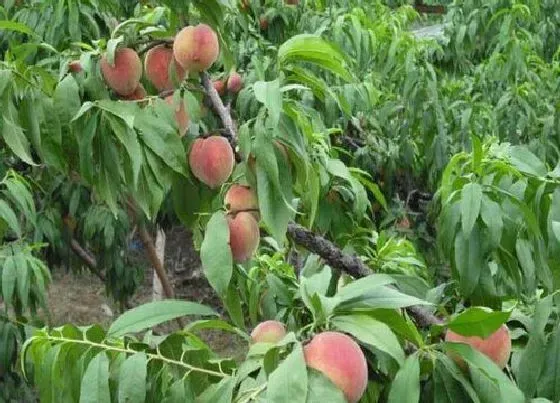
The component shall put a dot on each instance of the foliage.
(349, 124)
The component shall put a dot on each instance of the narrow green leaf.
(95, 383)
(155, 313)
(371, 333)
(9, 276)
(132, 379)
(320, 389)
(8, 215)
(215, 253)
(288, 383)
(15, 139)
(471, 198)
(313, 49)
(406, 385)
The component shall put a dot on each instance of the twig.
(151, 43)
(219, 107)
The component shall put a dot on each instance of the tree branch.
(349, 264)
(328, 251)
(89, 260)
(219, 107)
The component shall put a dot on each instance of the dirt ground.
(80, 298)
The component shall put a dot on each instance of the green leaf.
(221, 392)
(268, 93)
(16, 26)
(9, 276)
(8, 215)
(371, 333)
(471, 198)
(451, 368)
(406, 385)
(320, 389)
(527, 162)
(361, 287)
(95, 383)
(478, 321)
(468, 260)
(23, 278)
(313, 49)
(215, 253)
(132, 379)
(128, 138)
(67, 99)
(15, 139)
(288, 383)
(523, 249)
(549, 382)
(488, 378)
(380, 297)
(274, 191)
(155, 313)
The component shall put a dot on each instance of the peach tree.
(285, 135)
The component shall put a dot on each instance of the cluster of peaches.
(339, 358)
(211, 159)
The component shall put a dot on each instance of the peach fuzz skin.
(341, 360)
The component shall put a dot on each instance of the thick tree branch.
(324, 248)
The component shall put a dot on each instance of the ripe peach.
(211, 160)
(240, 198)
(497, 346)
(235, 83)
(157, 63)
(341, 360)
(196, 48)
(244, 236)
(124, 76)
(181, 115)
(219, 86)
(74, 66)
(270, 331)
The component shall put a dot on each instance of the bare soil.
(80, 298)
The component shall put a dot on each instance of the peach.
(270, 331)
(219, 86)
(74, 66)
(196, 48)
(235, 83)
(244, 236)
(497, 346)
(157, 65)
(292, 2)
(341, 360)
(138, 94)
(211, 160)
(240, 198)
(181, 116)
(124, 75)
